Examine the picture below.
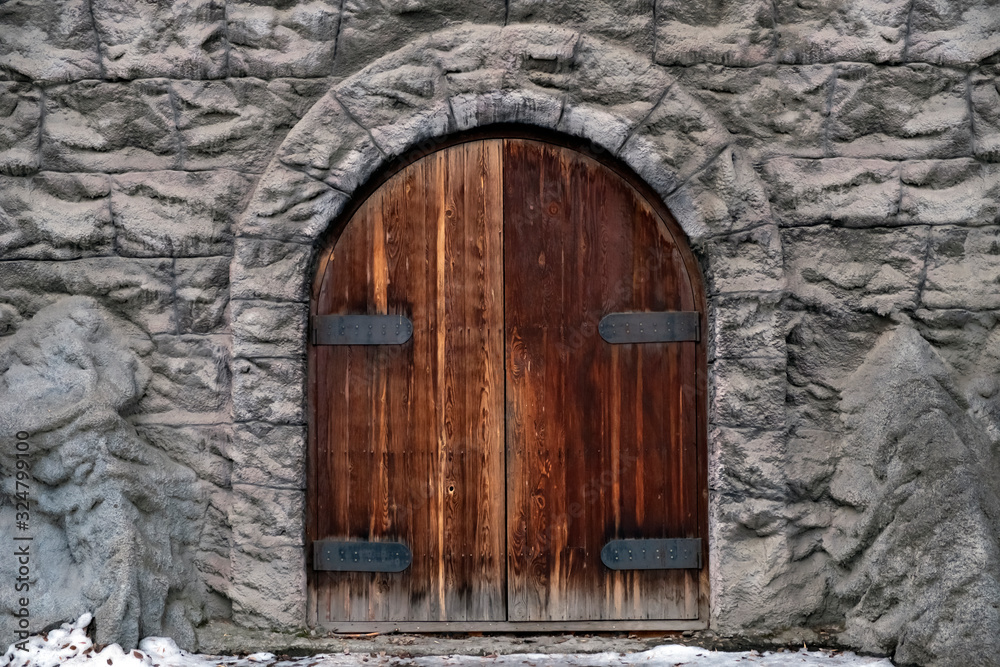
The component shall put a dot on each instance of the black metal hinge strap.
(662, 327)
(361, 329)
(653, 554)
(359, 556)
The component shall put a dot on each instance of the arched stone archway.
(461, 78)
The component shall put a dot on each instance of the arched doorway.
(507, 417)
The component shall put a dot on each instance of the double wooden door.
(504, 441)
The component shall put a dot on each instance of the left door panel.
(408, 441)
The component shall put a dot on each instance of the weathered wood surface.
(601, 439)
(506, 442)
(409, 438)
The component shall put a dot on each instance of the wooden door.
(602, 439)
(408, 439)
(506, 442)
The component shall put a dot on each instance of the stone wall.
(836, 166)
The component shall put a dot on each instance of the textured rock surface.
(111, 513)
(173, 167)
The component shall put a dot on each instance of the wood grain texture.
(601, 439)
(507, 442)
(408, 439)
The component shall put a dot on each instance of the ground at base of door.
(70, 646)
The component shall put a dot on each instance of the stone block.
(269, 390)
(628, 22)
(498, 105)
(725, 197)
(747, 393)
(55, 216)
(985, 96)
(676, 140)
(268, 589)
(866, 31)
(611, 92)
(748, 463)
(400, 105)
(959, 192)
(267, 518)
(954, 32)
(239, 123)
(746, 325)
(290, 205)
(337, 151)
(726, 32)
(770, 109)
(202, 285)
(272, 270)
(963, 268)
(175, 213)
(911, 112)
(842, 191)
(749, 261)
(110, 127)
(20, 117)
(370, 29)
(54, 40)
(137, 290)
(190, 380)
(270, 40)
(204, 448)
(272, 455)
(184, 39)
(833, 269)
(265, 329)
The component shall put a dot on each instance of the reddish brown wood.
(408, 440)
(602, 439)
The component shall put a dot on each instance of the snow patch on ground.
(69, 646)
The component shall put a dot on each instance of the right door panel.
(601, 439)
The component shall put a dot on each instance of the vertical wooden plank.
(407, 434)
(580, 243)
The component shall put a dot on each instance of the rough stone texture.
(370, 29)
(628, 22)
(287, 39)
(56, 216)
(181, 39)
(238, 123)
(771, 110)
(960, 192)
(730, 32)
(137, 290)
(271, 390)
(841, 191)
(928, 116)
(267, 329)
(266, 455)
(96, 126)
(833, 163)
(176, 213)
(201, 295)
(985, 96)
(20, 117)
(954, 32)
(190, 380)
(837, 30)
(917, 529)
(48, 40)
(111, 513)
(837, 270)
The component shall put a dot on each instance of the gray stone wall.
(167, 168)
